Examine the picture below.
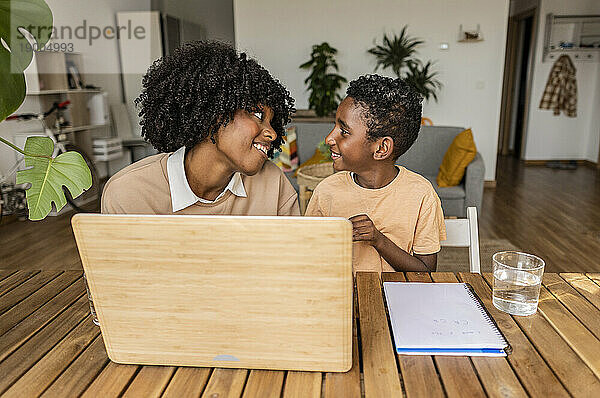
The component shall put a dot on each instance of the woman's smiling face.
(350, 148)
(246, 140)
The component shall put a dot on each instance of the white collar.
(182, 195)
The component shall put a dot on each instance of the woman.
(218, 117)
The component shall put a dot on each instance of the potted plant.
(46, 174)
(322, 83)
(398, 53)
(422, 79)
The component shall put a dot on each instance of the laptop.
(221, 291)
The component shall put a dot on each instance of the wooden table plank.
(5, 273)
(48, 368)
(81, 372)
(16, 336)
(14, 279)
(226, 383)
(497, 376)
(583, 342)
(344, 384)
(458, 373)
(38, 298)
(23, 290)
(306, 385)
(566, 364)
(112, 381)
(575, 302)
(595, 276)
(420, 376)
(379, 364)
(585, 286)
(187, 382)
(39, 344)
(264, 383)
(150, 381)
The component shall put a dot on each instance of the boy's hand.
(364, 230)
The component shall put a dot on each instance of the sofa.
(424, 157)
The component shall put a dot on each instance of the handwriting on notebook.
(453, 327)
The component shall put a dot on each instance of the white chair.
(464, 232)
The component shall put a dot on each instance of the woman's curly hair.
(188, 95)
(391, 108)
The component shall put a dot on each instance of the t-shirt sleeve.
(314, 208)
(430, 229)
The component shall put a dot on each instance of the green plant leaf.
(48, 175)
(422, 79)
(12, 86)
(34, 16)
(395, 52)
(321, 84)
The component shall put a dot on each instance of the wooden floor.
(554, 214)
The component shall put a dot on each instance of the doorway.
(516, 90)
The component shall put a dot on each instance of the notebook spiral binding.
(488, 317)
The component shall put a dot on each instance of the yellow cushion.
(458, 156)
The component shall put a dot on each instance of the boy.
(217, 116)
(397, 219)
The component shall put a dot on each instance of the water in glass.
(516, 292)
(517, 281)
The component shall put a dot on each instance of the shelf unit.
(83, 128)
(52, 92)
(59, 76)
(575, 35)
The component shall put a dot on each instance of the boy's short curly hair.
(188, 95)
(391, 108)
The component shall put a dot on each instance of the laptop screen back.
(221, 291)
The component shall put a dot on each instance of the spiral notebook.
(441, 319)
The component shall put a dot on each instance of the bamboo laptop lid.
(221, 291)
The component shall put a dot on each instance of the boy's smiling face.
(350, 148)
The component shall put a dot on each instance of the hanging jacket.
(561, 89)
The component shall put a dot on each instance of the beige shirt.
(143, 188)
(407, 211)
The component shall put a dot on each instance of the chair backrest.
(464, 232)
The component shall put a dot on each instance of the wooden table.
(49, 346)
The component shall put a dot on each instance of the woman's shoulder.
(144, 166)
(147, 171)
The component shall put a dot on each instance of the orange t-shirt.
(407, 211)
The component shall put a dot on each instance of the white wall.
(562, 137)
(280, 35)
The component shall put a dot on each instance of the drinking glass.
(517, 281)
